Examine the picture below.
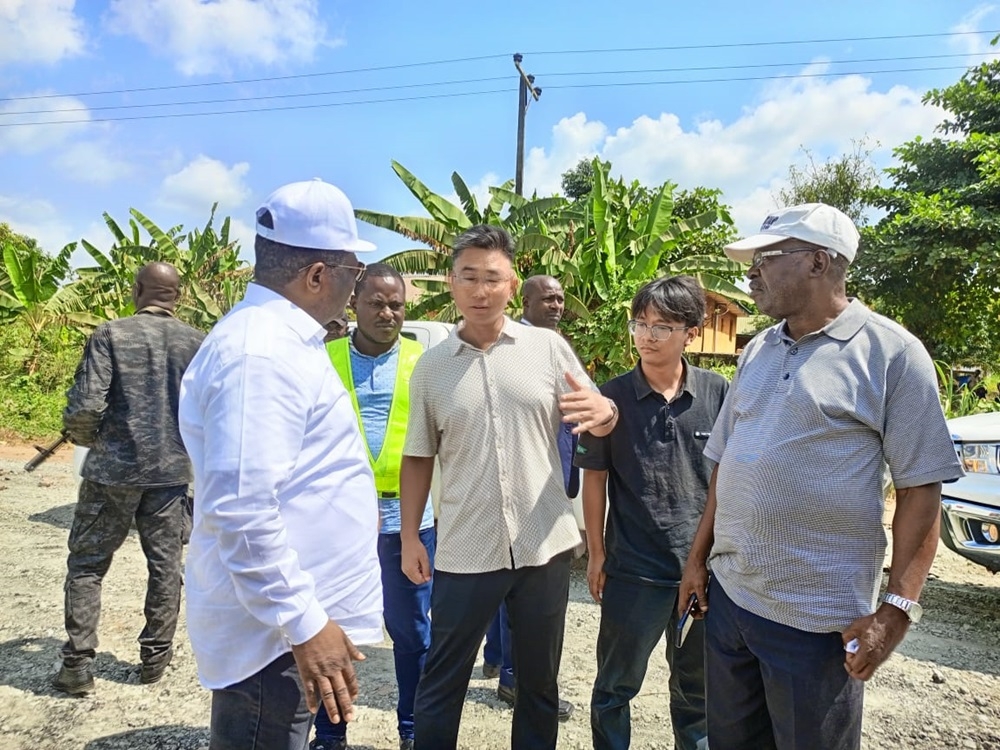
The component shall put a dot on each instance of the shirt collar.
(643, 388)
(304, 324)
(842, 328)
(354, 349)
(510, 331)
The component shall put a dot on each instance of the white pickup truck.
(970, 507)
(426, 332)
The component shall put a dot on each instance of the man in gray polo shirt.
(792, 530)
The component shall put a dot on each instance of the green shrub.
(31, 403)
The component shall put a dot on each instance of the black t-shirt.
(658, 474)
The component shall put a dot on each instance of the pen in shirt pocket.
(701, 434)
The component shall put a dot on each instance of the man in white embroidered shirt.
(282, 575)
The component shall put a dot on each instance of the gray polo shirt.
(492, 417)
(801, 443)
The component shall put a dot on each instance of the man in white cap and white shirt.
(282, 575)
(792, 530)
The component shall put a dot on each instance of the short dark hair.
(485, 237)
(379, 271)
(673, 297)
(838, 267)
(276, 264)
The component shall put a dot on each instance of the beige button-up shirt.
(492, 417)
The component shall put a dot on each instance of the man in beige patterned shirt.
(488, 403)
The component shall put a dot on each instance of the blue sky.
(816, 78)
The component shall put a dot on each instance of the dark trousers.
(633, 618)
(463, 606)
(406, 608)
(773, 687)
(266, 711)
(497, 650)
(101, 523)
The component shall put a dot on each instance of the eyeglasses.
(761, 255)
(657, 333)
(490, 283)
(359, 270)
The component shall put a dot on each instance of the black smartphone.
(686, 621)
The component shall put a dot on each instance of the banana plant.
(37, 293)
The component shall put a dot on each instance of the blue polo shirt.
(374, 381)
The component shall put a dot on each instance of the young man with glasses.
(820, 404)
(282, 577)
(653, 471)
(488, 402)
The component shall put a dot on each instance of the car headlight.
(979, 458)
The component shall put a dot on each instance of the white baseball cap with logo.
(816, 223)
(311, 214)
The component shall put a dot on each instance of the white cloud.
(211, 37)
(749, 157)
(976, 45)
(20, 115)
(39, 31)
(204, 181)
(36, 218)
(93, 162)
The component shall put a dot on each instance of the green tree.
(39, 297)
(844, 182)
(933, 262)
(213, 277)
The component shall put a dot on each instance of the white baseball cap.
(816, 223)
(312, 214)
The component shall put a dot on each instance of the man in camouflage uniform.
(123, 406)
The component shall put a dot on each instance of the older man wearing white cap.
(282, 575)
(792, 531)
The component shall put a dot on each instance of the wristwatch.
(912, 609)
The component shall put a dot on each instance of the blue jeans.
(266, 711)
(633, 618)
(497, 650)
(773, 687)
(405, 608)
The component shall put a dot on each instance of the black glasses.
(359, 270)
(657, 333)
(761, 255)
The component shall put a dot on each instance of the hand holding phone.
(686, 621)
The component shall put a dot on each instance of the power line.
(472, 93)
(480, 58)
(731, 45)
(492, 79)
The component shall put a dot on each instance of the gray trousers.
(102, 520)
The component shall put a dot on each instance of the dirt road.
(941, 690)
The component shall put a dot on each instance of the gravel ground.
(941, 689)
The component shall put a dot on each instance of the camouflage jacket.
(123, 402)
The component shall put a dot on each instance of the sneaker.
(151, 673)
(76, 681)
(508, 694)
(406, 743)
(327, 743)
(490, 671)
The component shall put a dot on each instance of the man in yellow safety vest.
(375, 364)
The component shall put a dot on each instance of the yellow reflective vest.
(386, 466)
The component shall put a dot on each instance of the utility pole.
(526, 85)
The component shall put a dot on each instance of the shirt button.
(794, 350)
(785, 376)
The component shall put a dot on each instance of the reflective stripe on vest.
(386, 466)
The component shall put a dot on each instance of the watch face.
(915, 612)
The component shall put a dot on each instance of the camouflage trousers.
(102, 520)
